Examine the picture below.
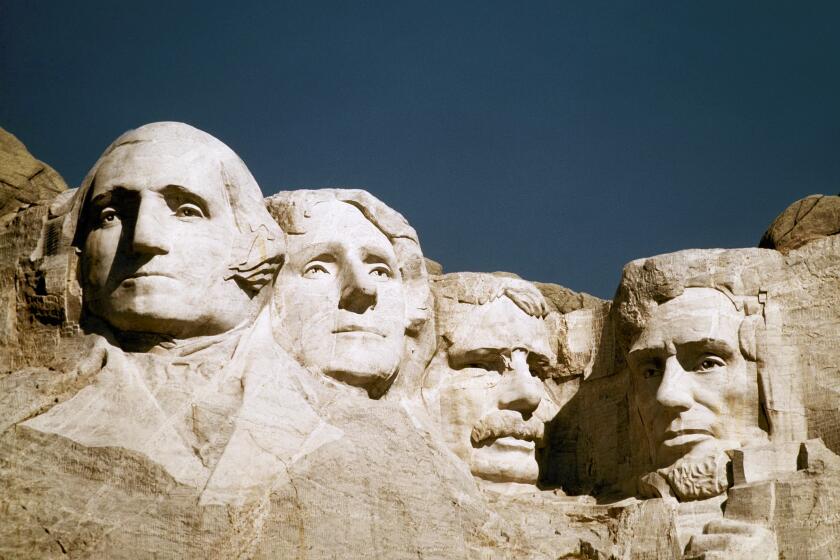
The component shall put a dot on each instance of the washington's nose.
(674, 390)
(358, 290)
(150, 237)
(519, 390)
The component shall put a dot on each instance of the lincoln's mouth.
(358, 329)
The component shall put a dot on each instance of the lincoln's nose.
(674, 390)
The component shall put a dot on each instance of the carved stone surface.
(189, 370)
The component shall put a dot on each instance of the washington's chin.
(506, 460)
(155, 315)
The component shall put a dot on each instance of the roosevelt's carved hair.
(476, 288)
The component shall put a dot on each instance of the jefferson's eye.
(188, 210)
(381, 272)
(315, 270)
(709, 363)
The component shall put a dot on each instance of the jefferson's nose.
(519, 390)
(675, 389)
(150, 235)
(358, 290)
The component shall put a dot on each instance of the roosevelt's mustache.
(508, 423)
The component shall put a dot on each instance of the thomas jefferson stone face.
(692, 386)
(493, 403)
(158, 244)
(339, 298)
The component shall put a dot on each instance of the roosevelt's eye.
(709, 363)
(381, 272)
(651, 371)
(188, 210)
(315, 270)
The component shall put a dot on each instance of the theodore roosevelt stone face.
(492, 399)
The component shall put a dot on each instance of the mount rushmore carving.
(189, 369)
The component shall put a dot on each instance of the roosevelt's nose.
(358, 289)
(675, 389)
(519, 390)
(150, 235)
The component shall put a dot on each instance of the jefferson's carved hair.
(259, 252)
(292, 208)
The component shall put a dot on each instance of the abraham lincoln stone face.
(693, 388)
(158, 234)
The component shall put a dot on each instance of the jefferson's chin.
(357, 371)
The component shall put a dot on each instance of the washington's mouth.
(358, 329)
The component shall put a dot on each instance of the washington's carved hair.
(259, 251)
(291, 210)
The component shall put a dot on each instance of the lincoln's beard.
(698, 478)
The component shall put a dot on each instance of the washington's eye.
(315, 270)
(381, 272)
(708, 363)
(108, 216)
(188, 210)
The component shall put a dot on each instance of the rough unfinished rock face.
(812, 217)
(189, 370)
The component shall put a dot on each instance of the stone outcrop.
(190, 370)
(812, 217)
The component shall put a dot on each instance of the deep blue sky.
(557, 140)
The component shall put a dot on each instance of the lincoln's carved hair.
(292, 208)
(476, 288)
(649, 283)
(260, 249)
